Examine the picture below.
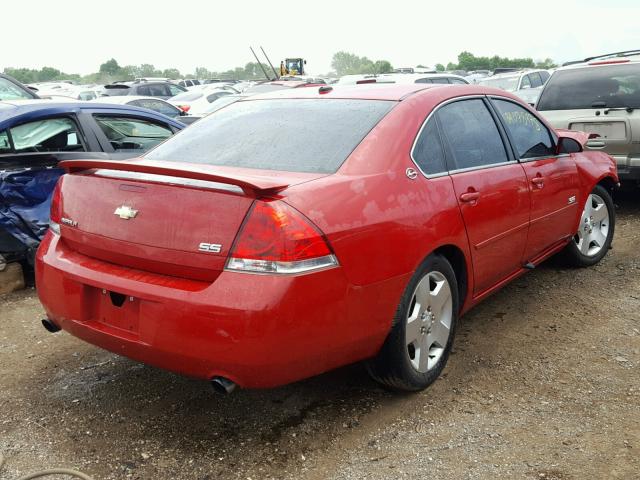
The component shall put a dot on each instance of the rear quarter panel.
(380, 223)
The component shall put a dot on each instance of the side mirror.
(568, 145)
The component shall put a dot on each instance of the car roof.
(34, 109)
(383, 91)
(602, 62)
(125, 99)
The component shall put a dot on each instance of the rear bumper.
(257, 330)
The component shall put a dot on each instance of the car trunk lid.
(163, 217)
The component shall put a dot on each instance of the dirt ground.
(543, 384)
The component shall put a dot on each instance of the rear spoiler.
(251, 185)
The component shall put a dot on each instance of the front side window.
(132, 134)
(299, 135)
(526, 82)
(428, 153)
(530, 136)
(472, 134)
(49, 135)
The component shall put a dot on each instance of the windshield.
(299, 135)
(510, 84)
(609, 86)
(11, 91)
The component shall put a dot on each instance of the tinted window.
(458, 81)
(132, 134)
(158, 106)
(153, 90)
(472, 134)
(544, 75)
(526, 82)
(608, 86)
(302, 135)
(424, 80)
(428, 153)
(175, 89)
(536, 81)
(531, 137)
(50, 135)
(440, 80)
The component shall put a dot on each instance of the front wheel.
(418, 345)
(595, 232)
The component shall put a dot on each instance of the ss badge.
(210, 247)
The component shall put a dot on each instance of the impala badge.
(572, 200)
(125, 212)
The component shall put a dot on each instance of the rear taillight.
(55, 215)
(276, 238)
(184, 108)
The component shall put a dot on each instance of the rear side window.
(129, 134)
(530, 136)
(440, 80)
(424, 80)
(581, 88)
(457, 81)
(472, 134)
(428, 153)
(536, 81)
(544, 75)
(299, 135)
(50, 135)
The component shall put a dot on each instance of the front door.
(552, 179)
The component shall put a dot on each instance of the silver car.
(600, 96)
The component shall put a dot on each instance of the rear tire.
(595, 232)
(419, 343)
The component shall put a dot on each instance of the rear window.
(608, 86)
(298, 135)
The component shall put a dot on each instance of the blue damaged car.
(36, 134)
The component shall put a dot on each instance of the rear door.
(552, 179)
(491, 188)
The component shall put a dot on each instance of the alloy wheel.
(594, 226)
(428, 323)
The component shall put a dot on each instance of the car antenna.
(277, 77)
(259, 63)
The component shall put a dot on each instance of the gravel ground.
(543, 384)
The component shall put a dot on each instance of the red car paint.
(143, 291)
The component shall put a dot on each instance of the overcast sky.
(76, 36)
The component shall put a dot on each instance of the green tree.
(345, 63)
(172, 73)
(439, 67)
(546, 63)
(110, 67)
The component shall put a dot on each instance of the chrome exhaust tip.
(222, 385)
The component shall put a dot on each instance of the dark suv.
(162, 90)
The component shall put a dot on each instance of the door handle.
(538, 181)
(470, 197)
(595, 144)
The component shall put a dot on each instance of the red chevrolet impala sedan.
(292, 233)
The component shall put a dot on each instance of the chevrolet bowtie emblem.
(126, 212)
